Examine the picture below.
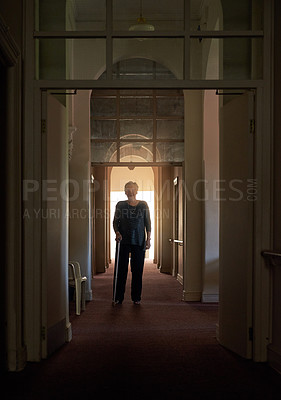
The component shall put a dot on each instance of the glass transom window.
(137, 126)
(193, 40)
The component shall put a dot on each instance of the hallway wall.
(201, 270)
(12, 13)
(275, 346)
(3, 290)
(56, 225)
(79, 188)
(13, 346)
(194, 191)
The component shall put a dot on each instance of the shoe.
(137, 302)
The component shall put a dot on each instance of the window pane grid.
(138, 137)
(104, 27)
(174, 17)
(65, 68)
(234, 15)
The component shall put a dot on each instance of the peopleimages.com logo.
(71, 190)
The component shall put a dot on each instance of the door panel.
(177, 240)
(175, 226)
(236, 224)
(101, 202)
(180, 227)
(54, 225)
(165, 196)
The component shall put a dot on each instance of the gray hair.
(130, 183)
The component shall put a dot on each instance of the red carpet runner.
(164, 348)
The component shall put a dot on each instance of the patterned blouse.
(132, 221)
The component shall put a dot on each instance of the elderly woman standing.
(132, 227)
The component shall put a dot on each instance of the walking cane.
(116, 273)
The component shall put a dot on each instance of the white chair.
(78, 282)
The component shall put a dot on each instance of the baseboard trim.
(274, 357)
(17, 359)
(191, 296)
(56, 336)
(210, 298)
(68, 333)
(180, 279)
(22, 358)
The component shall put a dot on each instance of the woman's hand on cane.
(118, 237)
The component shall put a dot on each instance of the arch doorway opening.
(145, 179)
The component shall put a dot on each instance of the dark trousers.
(137, 262)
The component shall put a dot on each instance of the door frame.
(262, 225)
(12, 348)
(32, 258)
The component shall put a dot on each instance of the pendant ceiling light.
(141, 24)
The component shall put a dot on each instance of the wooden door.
(236, 224)
(55, 319)
(177, 240)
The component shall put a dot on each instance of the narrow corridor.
(164, 348)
